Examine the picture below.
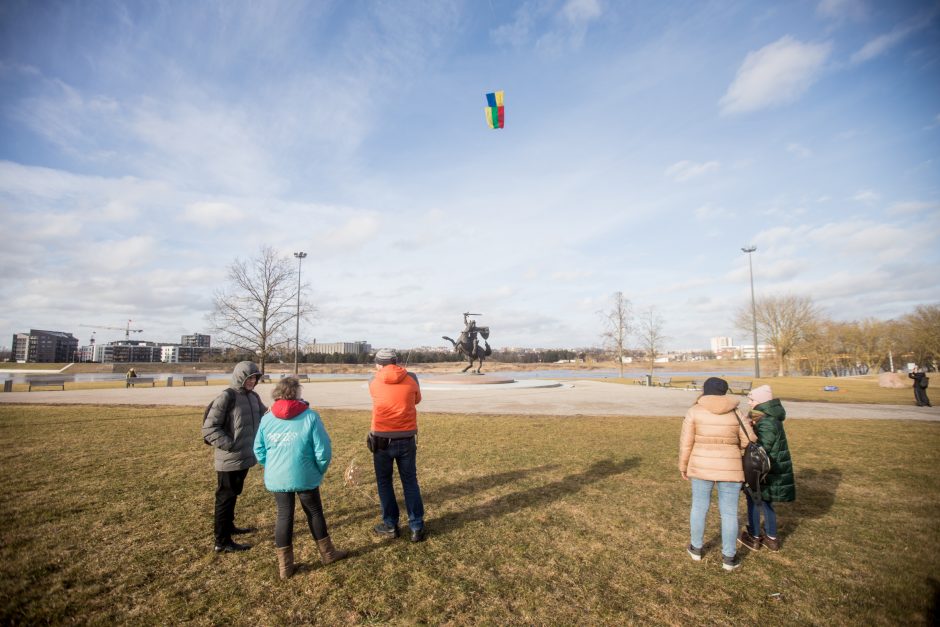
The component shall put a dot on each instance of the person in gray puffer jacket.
(230, 427)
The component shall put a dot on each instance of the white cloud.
(777, 74)
(684, 170)
(570, 276)
(883, 43)
(580, 11)
(710, 211)
(866, 196)
(799, 150)
(211, 214)
(555, 30)
(352, 234)
(843, 9)
(913, 206)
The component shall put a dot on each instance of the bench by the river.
(135, 381)
(664, 382)
(743, 387)
(44, 381)
(195, 378)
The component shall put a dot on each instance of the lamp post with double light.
(300, 258)
(750, 249)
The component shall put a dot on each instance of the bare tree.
(783, 321)
(616, 326)
(921, 332)
(651, 335)
(254, 311)
(868, 341)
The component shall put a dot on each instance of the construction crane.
(127, 329)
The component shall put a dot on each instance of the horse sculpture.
(468, 345)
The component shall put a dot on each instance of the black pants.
(229, 486)
(313, 508)
(920, 396)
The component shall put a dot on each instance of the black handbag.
(756, 464)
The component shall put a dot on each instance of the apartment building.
(39, 346)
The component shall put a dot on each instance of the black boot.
(231, 547)
(239, 530)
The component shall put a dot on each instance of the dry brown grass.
(533, 520)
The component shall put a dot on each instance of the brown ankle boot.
(285, 561)
(329, 553)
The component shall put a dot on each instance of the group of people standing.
(714, 434)
(291, 442)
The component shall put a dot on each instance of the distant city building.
(763, 350)
(135, 351)
(196, 339)
(343, 348)
(173, 354)
(719, 343)
(44, 346)
(746, 351)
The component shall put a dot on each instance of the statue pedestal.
(466, 379)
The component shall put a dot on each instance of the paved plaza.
(573, 398)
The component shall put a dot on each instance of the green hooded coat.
(779, 484)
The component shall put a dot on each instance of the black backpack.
(229, 405)
(756, 465)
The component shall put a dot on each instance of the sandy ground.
(588, 398)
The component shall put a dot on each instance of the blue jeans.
(727, 505)
(403, 452)
(753, 517)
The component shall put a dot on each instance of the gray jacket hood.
(242, 371)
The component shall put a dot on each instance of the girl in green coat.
(767, 417)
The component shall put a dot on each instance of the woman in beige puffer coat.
(710, 450)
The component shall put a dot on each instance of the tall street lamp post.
(300, 258)
(749, 250)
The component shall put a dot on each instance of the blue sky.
(146, 145)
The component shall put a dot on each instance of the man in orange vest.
(393, 440)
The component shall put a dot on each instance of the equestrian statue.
(468, 345)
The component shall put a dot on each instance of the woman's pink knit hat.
(760, 395)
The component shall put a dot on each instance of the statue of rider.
(470, 329)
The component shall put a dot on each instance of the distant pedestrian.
(294, 448)
(779, 486)
(921, 380)
(230, 427)
(131, 374)
(710, 455)
(393, 440)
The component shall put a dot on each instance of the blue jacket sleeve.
(261, 452)
(322, 449)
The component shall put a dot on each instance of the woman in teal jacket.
(294, 449)
(779, 485)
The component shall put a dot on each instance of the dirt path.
(575, 398)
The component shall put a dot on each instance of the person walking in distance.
(295, 450)
(230, 426)
(920, 387)
(393, 440)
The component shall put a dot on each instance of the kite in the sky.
(495, 109)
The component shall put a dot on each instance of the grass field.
(532, 519)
